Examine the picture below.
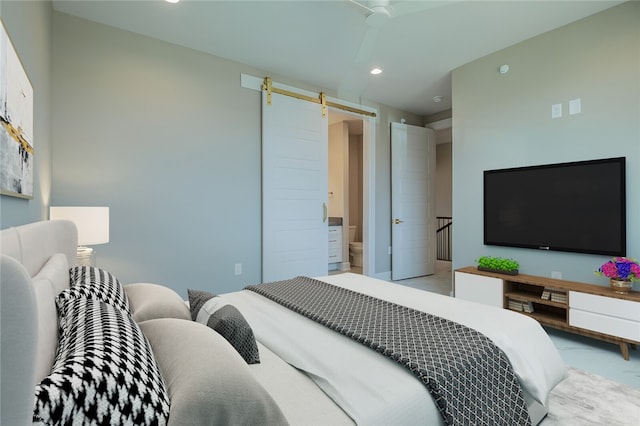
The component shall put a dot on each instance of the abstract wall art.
(16, 123)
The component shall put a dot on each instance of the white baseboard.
(340, 266)
(383, 275)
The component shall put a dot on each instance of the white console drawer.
(605, 324)
(479, 288)
(608, 306)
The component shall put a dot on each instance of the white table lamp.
(93, 228)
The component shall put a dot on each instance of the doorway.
(347, 189)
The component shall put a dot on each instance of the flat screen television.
(575, 207)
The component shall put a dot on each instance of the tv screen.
(574, 207)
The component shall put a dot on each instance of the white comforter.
(369, 387)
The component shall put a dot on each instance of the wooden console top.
(599, 290)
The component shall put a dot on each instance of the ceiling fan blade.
(376, 12)
(407, 7)
(355, 80)
(367, 46)
(364, 8)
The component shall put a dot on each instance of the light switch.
(575, 106)
(556, 111)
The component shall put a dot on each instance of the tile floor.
(580, 352)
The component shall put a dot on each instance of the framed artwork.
(16, 123)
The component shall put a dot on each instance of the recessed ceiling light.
(437, 99)
(172, 1)
(376, 71)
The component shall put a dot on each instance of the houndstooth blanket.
(469, 378)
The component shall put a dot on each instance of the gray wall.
(443, 179)
(29, 27)
(166, 137)
(505, 121)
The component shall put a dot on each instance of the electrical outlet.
(389, 249)
(557, 275)
(556, 110)
(238, 269)
(575, 106)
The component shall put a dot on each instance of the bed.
(307, 375)
(367, 386)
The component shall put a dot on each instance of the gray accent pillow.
(207, 380)
(226, 319)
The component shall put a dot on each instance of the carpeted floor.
(585, 399)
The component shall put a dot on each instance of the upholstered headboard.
(34, 267)
(32, 245)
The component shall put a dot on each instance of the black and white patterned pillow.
(212, 311)
(104, 371)
(95, 283)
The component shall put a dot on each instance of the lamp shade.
(92, 222)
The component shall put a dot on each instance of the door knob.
(398, 221)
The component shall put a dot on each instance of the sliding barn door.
(294, 188)
(413, 228)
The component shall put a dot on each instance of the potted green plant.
(498, 264)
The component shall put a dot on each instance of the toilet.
(355, 248)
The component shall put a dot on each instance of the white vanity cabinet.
(335, 244)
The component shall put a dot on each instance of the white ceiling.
(317, 42)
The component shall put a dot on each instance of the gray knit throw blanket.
(470, 378)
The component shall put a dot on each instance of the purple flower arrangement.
(620, 268)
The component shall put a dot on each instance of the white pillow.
(56, 271)
(151, 301)
(51, 280)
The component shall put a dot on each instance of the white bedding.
(368, 386)
(300, 399)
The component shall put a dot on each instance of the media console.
(586, 309)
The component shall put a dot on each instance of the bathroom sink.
(335, 221)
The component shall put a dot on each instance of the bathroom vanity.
(335, 242)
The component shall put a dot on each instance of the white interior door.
(294, 189)
(413, 228)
